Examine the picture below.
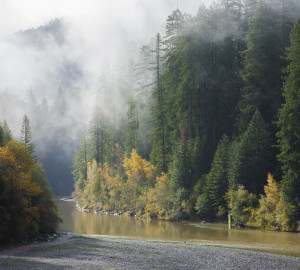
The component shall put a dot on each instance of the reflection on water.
(124, 226)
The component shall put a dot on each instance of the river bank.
(73, 251)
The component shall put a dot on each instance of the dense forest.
(213, 109)
(27, 209)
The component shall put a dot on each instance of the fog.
(61, 58)
(55, 58)
(91, 31)
(71, 52)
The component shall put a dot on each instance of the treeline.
(213, 106)
(27, 209)
(56, 137)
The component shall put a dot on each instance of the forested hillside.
(212, 120)
(27, 209)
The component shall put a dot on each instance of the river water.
(214, 234)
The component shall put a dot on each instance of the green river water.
(211, 234)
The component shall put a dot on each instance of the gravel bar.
(97, 252)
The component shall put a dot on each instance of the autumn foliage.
(25, 200)
(129, 185)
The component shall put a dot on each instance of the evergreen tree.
(7, 134)
(158, 154)
(289, 133)
(26, 136)
(180, 178)
(143, 81)
(217, 181)
(263, 66)
(100, 139)
(234, 163)
(1, 136)
(80, 163)
(132, 138)
(175, 24)
(198, 159)
(180, 170)
(254, 157)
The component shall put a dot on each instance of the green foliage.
(100, 137)
(216, 73)
(132, 139)
(180, 168)
(263, 64)
(1, 136)
(7, 134)
(158, 153)
(288, 135)
(48, 213)
(204, 207)
(26, 136)
(241, 205)
(80, 164)
(179, 201)
(253, 157)
(217, 181)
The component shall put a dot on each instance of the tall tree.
(289, 133)
(81, 163)
(217, 179)
(255, 157)
(26, 136)
(1, 136)
(143, 83)
(263, 66)
(100, 137)
(175, 23)
(132, 138)
(159, 134)
(7, 134)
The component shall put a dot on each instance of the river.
(211, 234)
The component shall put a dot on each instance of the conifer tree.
(81, 163)
(100, 137)
(263, 66)
(217, 181)
(158, 154)
(1, 136)
(7, 134)
(143, 82)
(26, 136)
(289, 133)
(179, 169)
(175, 24)
(254, 157)
(132, 138)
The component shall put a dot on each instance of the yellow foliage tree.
(158, 202)
(267, 214)
(139, 170)
(272, 191)
(19, 215)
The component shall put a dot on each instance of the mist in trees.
(216, 90)
(196, 123)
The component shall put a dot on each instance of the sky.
(18, 14)
(97, 31)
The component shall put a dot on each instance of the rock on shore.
(96, 252)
